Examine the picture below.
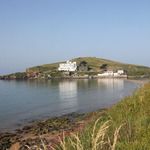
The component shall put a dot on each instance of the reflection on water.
(111, 83)
(68, 94)
(67, 89)
(28, 100)
(114, 87)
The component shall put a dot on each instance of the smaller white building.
(106, 74)
(68, 66)
(119, 73)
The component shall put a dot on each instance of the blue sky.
(34, 32)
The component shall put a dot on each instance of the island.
(82, 67)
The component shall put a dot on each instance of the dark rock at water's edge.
(7, 139)
(15, 76)
(37, 128)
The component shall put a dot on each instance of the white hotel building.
(68, 66)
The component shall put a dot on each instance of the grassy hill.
(95, 63)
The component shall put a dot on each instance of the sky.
(35, 32)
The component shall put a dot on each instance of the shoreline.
(139, 80)
(44, 119)
(79, 78)
(51, 128)
(65, 78)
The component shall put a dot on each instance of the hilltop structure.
(68, 66)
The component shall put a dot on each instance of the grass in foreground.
(125, 126)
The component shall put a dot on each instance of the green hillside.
(94, 64)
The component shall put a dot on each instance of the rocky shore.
(47, 130)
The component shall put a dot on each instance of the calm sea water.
(24, 101)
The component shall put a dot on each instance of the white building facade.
(68, 66)
(119, 73)
(106, 74)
